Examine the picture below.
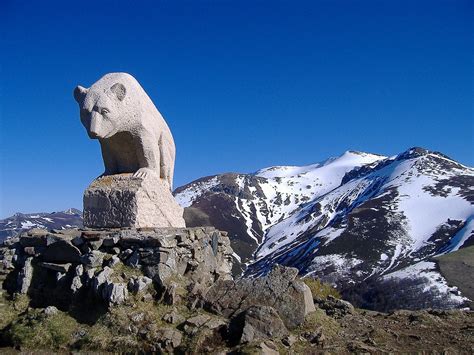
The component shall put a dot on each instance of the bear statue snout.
(93, 135)
(95, 126)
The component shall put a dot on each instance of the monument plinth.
(138, 152)
(124, 200)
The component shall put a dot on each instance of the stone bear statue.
(133, 135)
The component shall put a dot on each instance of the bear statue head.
(101, 108)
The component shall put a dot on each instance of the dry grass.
(320, 289)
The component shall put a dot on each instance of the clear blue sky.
(242, 84)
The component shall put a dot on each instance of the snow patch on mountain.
(186, 197)
(427, 270)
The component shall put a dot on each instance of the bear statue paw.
(143, 173)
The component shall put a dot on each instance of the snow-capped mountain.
(23, 221)
(346, 220)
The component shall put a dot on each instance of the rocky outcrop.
(258, 323)
(291, 298)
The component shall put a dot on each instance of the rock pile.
(110, 264)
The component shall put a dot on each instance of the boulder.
(62, 251)
(101, 278)
(51, 311)
(170, 295)
(258, 323)
(114, 293)
(168, 339)
(139, 284)
(93, 259)
(173, 317)
(197, 321)
(279, 289)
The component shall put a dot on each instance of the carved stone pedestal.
(121, 200)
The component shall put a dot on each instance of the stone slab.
(124, 200)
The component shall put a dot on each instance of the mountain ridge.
(362, 218)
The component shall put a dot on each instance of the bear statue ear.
(119, 91)
(79, 93)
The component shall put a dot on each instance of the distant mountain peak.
(72, 211)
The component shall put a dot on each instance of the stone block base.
(122, 200)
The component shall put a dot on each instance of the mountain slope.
(345, 220)
(23, 221)
(247, 205)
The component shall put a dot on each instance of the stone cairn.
(87, 263)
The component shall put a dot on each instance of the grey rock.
(139, 284)
(134, 260)
(173, 317)
(70, 232)
(170, 295)
(76, 284)
(90, 273)
(113, 261)
(168, 339)
(125, 254)
(267, 348)
(167, 241)
(315, 336)
(215, 323)
(93, 259)
(259, 323)
(79, 270)
(35, 240)
(289, 340)
(63, 268)
(110, 242)
(6, 262)
(114, 293)
(95, 244)
(125, 200)
(51, 311)
(197, 321)
(62, 251)
(137, 317)
(101, 278)
(279, 289)
(25, 276)
(160, 273)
